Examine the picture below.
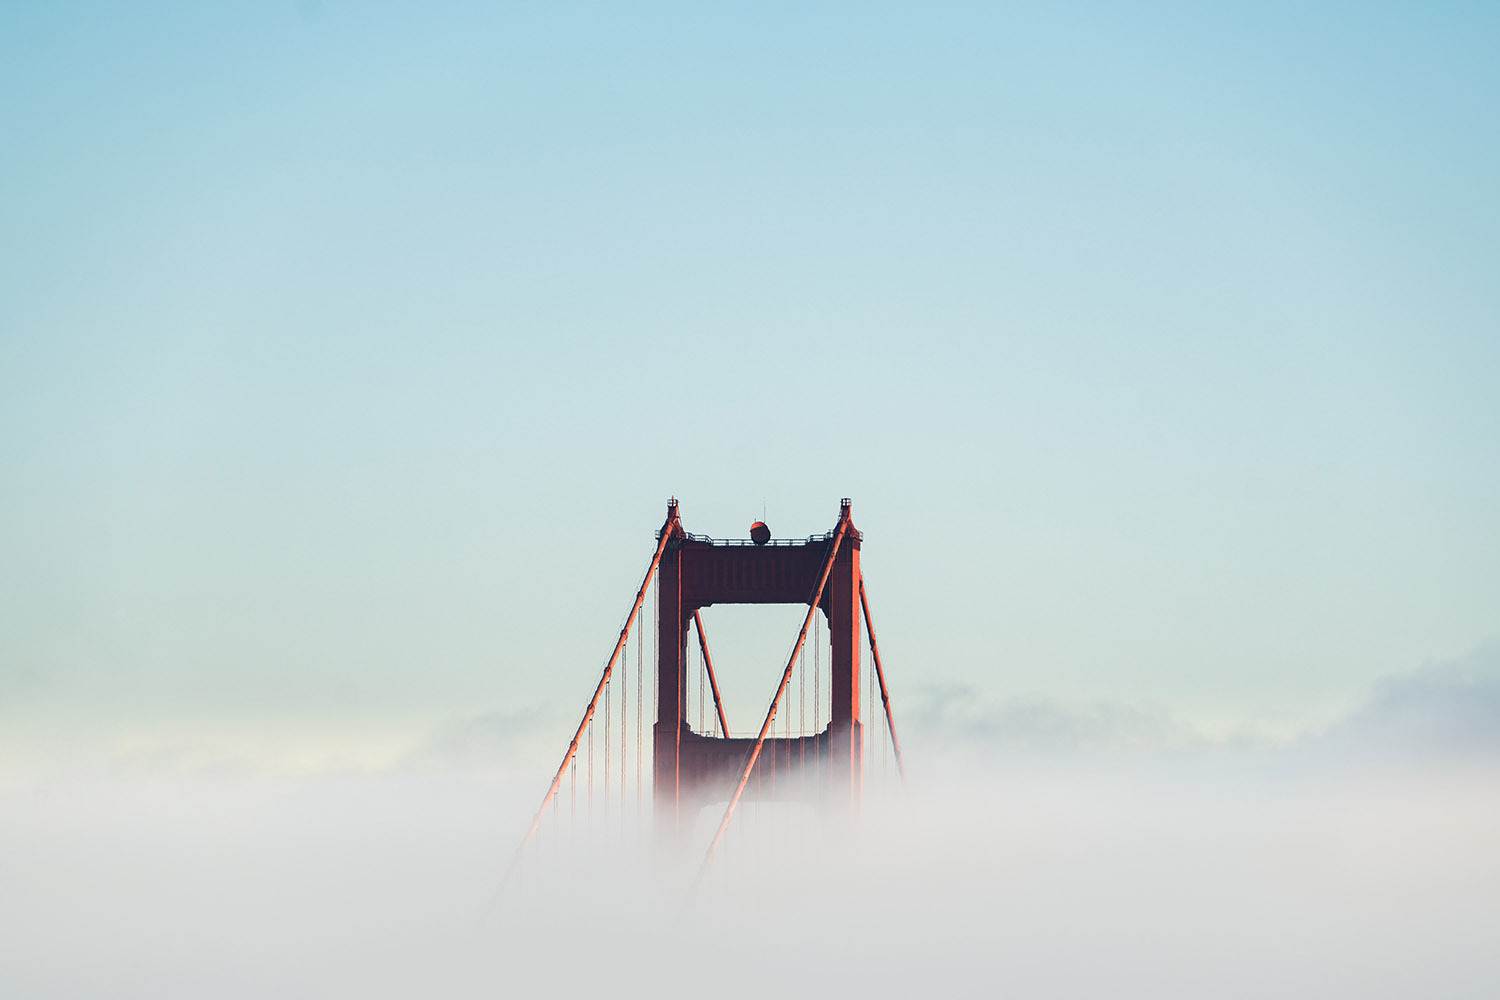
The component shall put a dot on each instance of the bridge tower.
(691, 769)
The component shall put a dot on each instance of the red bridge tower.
(692, 769)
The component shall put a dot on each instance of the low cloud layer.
(1041, 852)
(1447, 709)
(1444, 713)
(960, 718)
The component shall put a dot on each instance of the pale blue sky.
(348, 354)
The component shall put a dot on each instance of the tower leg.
(671, 666)
(845, 731)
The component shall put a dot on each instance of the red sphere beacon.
(759, 533)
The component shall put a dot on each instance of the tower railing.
(826, 536)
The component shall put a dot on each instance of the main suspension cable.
(885, 694)
(669, 529)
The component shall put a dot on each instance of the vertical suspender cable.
(867, 726)
(655, 677)
(641, 685)
(655, 657)
(786, 725)
(608, 701)
(775, 753)
(624, 727)
(818, 678)
(802, 708)
(818, 702)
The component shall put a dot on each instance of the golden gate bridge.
(696, 761)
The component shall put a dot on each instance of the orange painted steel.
(708, 666)
(885, 695)
(669, 529)
(786, 676)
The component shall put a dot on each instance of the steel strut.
(708, 665)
